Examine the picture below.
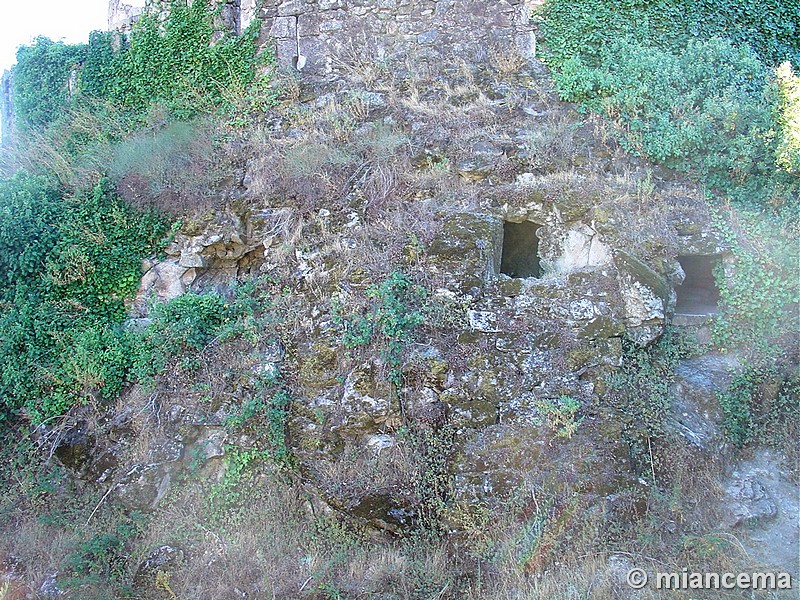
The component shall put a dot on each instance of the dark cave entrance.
(698, 294)
(520, 250)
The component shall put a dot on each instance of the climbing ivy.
(759, 295)
(97, 258)
(173, 61)
(71, 257)
(68, 263)
(760, 405)
(41, 80)
(770, 28)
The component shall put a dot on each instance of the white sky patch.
(68, 20)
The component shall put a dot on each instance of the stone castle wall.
(334, 35)
(330, 33)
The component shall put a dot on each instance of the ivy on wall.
(67, 263)
(770, 28)
(175, 61)
(41, 80)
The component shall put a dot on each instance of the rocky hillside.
(420, 329)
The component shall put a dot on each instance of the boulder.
(694, 411)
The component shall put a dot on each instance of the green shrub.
(642, 391)
(560, 415)
(761, 405)
(789, 120)
(102, 558)
(690, 85)
(394, 311)
(771, 28)
(236, 486)
(68, 264)
(181, 327)
(709, 110)
(266, 414)
(97, 258)
(29, 214)
(759, 296)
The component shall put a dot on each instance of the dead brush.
(552, 145)
(364, 472)
(363, 63)
(177, 169)
(474, 112)
(144, 414)
(506, 61)
(381, 242)
(76, 148)
(358, 107)
(288, 88)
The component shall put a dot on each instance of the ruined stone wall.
(330, 33)
(122, 15)
(234, 15)
(333, 33)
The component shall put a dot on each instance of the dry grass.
(363, 65)
(506, 61)
(552, 146)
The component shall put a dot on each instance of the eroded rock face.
(162, 281)
(162, 559)
(583, 248)
(646, 296)
(467, 248)
(751, 503)
(478, 396)
(232, 245)
(143, 487)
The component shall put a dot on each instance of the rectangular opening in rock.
(698, 294)
(520, 250)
